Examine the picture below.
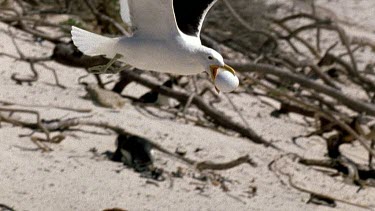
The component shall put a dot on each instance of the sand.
(71, 177)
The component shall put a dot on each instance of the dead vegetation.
(281, 57)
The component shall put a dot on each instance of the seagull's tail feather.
(92, 44)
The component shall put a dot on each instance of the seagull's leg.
(188, 103)
(102, 69)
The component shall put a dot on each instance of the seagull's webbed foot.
(106, 69)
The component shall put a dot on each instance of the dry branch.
(224, 166)
(243, 23)
(355, 104)
(38, 124)
(273, 167)
(322, 112)
(341, 165)
(106, 18)
(80, 110)
(68, 124)
(217, 116)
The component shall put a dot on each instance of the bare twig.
(107, 18)
(69, 123)
(218, 117)
(236, 15)
(290, 180)
(273, 168)
(38, 124)
(354, 104)
(327, 115)
(80, 110)
(224, 166)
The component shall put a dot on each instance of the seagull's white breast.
(174, 55)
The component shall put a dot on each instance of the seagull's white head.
(212, 61)
(209, 57)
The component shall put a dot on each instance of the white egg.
(226, 81)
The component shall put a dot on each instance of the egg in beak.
(215, 70)
(224, 81)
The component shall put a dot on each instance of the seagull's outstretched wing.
(190, 14)
(150, 18)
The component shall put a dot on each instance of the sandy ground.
(72, 178)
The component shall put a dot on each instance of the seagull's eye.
(210, 57)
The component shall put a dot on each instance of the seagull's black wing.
(190, 14)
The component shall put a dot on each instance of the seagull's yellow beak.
(215, 70)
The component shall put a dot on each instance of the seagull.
(166, 38)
